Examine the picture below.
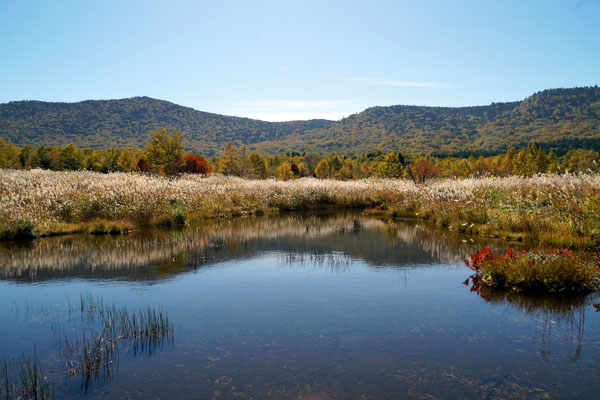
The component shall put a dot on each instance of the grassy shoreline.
(535, 271)
(546, 210)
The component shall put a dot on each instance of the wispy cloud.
(398, 83)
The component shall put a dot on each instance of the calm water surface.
(293, 307)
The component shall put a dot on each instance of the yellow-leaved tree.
(165, 153)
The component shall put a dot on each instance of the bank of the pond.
(552, 211)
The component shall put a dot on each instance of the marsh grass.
(18, 229)
(549, 210)
(27, 380)
(535, 271)
(91, 351)
(111, 331)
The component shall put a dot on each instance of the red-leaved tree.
(423, 170)
(194, 164)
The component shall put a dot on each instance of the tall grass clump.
(91, 349)
(27, 380)
(537, 271)
(111, 331)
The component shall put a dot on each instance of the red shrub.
(478, 259)
(194, 164)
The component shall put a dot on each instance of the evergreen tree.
(257, 166)
(27, 157)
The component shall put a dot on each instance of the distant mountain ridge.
(555, 116)
(127, 123)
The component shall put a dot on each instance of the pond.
(322, 307)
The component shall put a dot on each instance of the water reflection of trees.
(155, 254)
(563, 314)
(336, 262)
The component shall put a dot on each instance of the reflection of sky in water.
(296, 315)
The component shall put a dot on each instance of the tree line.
(165, 155)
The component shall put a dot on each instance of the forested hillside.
(128, 122)
(558, 119)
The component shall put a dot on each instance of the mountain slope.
(127, 123)
(556, 117)
(550, 117)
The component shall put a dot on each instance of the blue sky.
(283, 60)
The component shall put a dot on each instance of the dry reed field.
(553, 210)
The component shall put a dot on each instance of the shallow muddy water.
(289, 307)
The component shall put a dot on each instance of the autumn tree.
(347, 170)
(194, 164)
(244, 164)
(228, 164)
(392, 166)
(323, 169)
(423, 170)
(283, 172)
(9, 155)
(143, 165)
(480, 167)
(127, 161)
(71, 158)
(110, 158)
(93, 160)
(581, 160)
(257, 166)
(27, 157)
(329, 167)
(311, 161)
(506, 166)
(48, 157)
(165, 153)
